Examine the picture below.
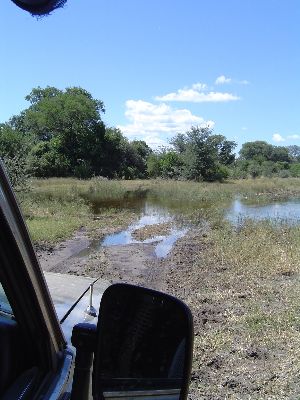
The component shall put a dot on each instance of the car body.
(35, 355)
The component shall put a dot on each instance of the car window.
(4, 303)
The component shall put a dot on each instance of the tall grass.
(52, 216)
(95, 188)
(57, 207)
(176, 190)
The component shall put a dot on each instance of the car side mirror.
(143, 346)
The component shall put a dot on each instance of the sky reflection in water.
(285, 211)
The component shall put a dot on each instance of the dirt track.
(227, 363)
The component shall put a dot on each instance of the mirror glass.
(144, 345)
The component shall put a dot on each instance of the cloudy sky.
(162, 66)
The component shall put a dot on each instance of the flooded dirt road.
(241, 350)
(131, 255)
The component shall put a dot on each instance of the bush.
(284, 173)
(295, 170)
(17, 170)
(83, 170)
(254, 169)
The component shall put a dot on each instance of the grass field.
(55, 208)
(242, 283)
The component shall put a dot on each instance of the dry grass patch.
(243, 287)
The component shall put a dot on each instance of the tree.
(69, 121)
(224, 149)
(115, 153)
(254, 169)
(295, 170)
(294, 153)
(280, 154)
(140, 152)
(203, 154)
(259, 151)
(170, 164)
(14, 150)
(13, 142)
(153, 165)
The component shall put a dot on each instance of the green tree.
(269, 168)
(294, 153)
(69, 121)
(280, 154)
(115, 154)
(153, 165)
(259, 151)
(295, 170)
(13, 142)
(14, 149)
(170, 164)
(254, 169)
(139, 152)
(203, 154)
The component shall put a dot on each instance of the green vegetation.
(55, 208)
(262, 159)
(242, 282)
(198, 155)
(61, 134)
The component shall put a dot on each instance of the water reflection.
(151, 215)
(158, 211)
(287, 211)
(165, 246)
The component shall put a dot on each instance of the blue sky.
(161, 66)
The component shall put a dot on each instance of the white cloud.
(197, 94)
(222, 79)
(293, 137)
(244, 128)
(199, 86)
(244, 82)
(278, 138)
(156, 123)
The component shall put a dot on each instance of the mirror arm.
(84, 340)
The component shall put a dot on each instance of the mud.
(151, 231)
(234, 372)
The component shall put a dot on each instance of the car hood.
(66, 289)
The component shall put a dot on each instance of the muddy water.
(155, 212)
(150, 214)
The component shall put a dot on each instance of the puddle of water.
(287, 211)
(153, 215)
(165, 246)
(154, 212)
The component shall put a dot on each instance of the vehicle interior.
(17, 371)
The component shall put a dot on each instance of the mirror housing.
(143, 346)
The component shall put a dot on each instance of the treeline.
(260, 158)
(62, 133)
